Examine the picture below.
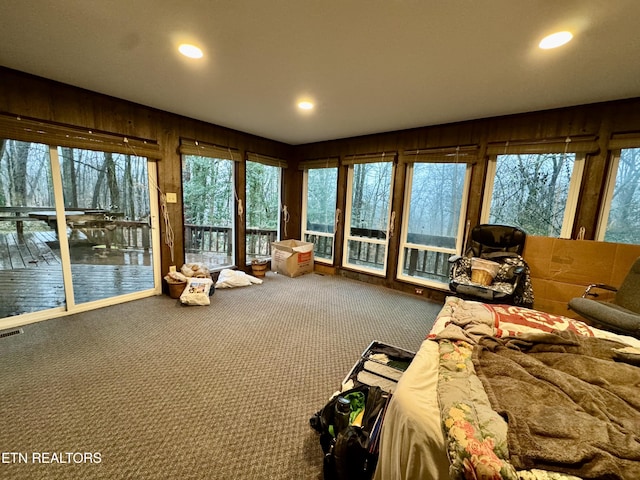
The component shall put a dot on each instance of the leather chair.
(622, 314)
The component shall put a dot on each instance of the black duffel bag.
(350, 455)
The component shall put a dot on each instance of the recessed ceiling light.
(190, 51)
(555, 40)
(305, 105)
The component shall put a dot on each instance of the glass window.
(536, 192)
(106, 197)
(262, 209)
(435, 200)
(319, 210)
(367, 216)
(208, 198)
(620, 221)
(30, 257)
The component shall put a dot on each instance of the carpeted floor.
(156, 390)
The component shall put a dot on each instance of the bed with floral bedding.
(503, 392)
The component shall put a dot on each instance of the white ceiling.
(370, 65)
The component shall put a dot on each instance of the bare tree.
(17, 163)
(531, 191)
(624, 218)
(69, 179)
(112, 181)
(102, 173)
(129, 200)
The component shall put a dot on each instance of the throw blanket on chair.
(569, 406)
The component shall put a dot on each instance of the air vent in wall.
(10, 333)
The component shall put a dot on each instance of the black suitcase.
(352, 454)
(380, 365)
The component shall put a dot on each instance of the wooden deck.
(31, 273)
(27, 250)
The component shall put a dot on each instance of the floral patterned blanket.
(476, 436)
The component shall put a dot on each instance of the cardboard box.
(561, 269)
(292, 257)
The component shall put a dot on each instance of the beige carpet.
(162, 391)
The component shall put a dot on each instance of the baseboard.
(324, 269)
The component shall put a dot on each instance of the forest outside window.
(29, 248)
(109, 226)
(535, 191)
(435, 202)
(319, 209)
(620, 216)
(263, 205)
(368, 211)
(208, 197)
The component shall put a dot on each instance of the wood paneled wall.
(42, 99)
(30, 96)
(600, 120)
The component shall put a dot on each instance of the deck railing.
(214, 239)
(322, 245)
(128, 234)
(417, 262)
(207, 238)
(427, 264)
(421, 263)
(97, 226)
(258, 241)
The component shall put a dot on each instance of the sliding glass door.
(107, 219)
(76, 230)
(30, 266)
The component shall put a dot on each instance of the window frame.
(264, 160)
(405, 229)
(571, 205)
(607, 198)
(304, 231)
(347, 223)
(210, 155)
